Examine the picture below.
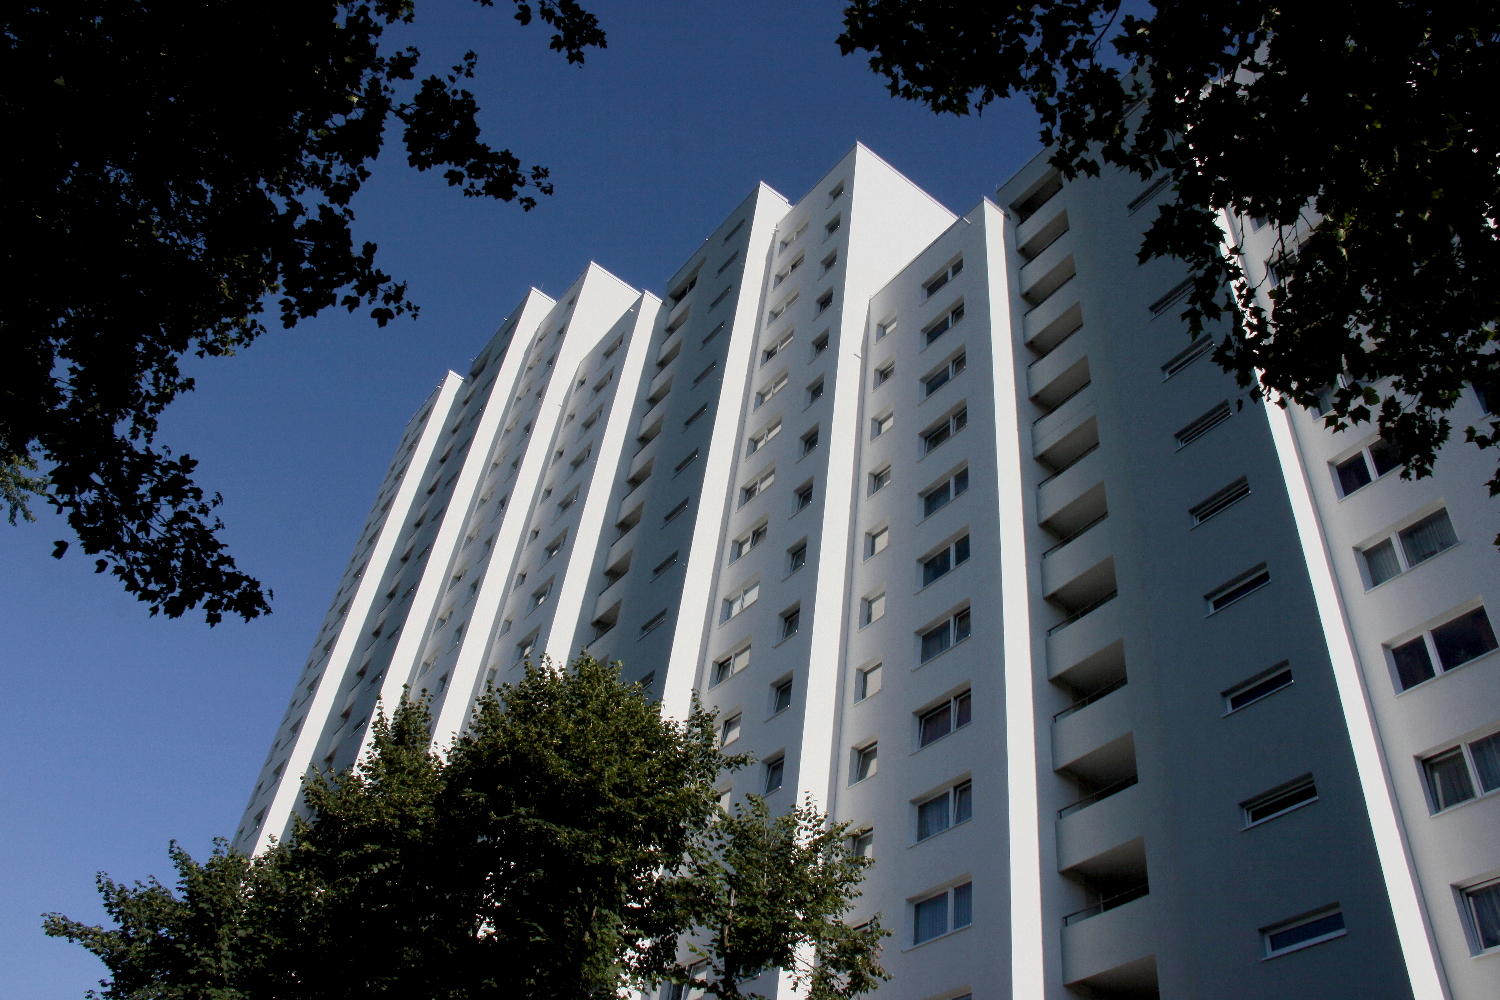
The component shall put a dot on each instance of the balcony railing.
(1081, 456)
(1068, 538)
(1086, 702)
(1098, 796)
(1060, 402)
(1109, 903)
(1083, 611)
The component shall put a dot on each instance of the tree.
(172, 167)
(565, 835)
(1362, 131)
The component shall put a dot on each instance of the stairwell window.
(939, 435)
(738, 602)
(1464, 772)
(1203, 425)
(953, 714)
(1448, 646)
(938, 497)
(943, 324)
(946, 810)
(1411, 546)
(936, 915)
(949, 633)
(944, 375)
(1354, 472)
(948, 558)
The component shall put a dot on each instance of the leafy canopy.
(569, 843)
(171, 168)
(1362, 131)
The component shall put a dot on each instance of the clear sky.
(121, 733)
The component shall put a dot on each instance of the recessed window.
(885, 329)
(729, 730)
(1220, 501)
(953, 806)
(672, 514)
(862, 844)
(867, 682)
(791, 621)
(833, 225)
(815, 392)
(781, 344)
(696, 414)
(1258, 687)
(946, 635)
(1279, 801)
(525, 648)
(1192, 353)
(692, 457)
(939, 435)
(810, 441)
(820, 343)
(1203, 424)
(879, 425)
(727, 261)
(740, 601)
(837, 192)
(664, 565)
(781, 696)
(825, 301)
(937, 497)
(705, 373)
(593, 418)
(1464, 772)
(944, 375)
(945, 323)
(951, 715)
(943, 277)
(771, 389)
(885, 373)
(712, 334)
(876, 541)
(829, 262)
(796, 557)
(552, 549)
(756, 487)
(731, 665)
(745, 543)
(1355, 473)
(805, 496)
(729, 235)
(760, 439)
(1394, 555)
(775, 773)
(949, 558)
(1483, 905)
(580, 458)
(654, 622)
(787, 272)
(1303, 932)
(1449, 645)
(866, 762)
(1240, 587)
(936, 915)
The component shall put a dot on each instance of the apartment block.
(1131, 685)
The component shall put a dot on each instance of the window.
(941, 433)
(554, 548)
(950, 633)
(593, 418)
(1257, 687)
(944, 276)
(775, 773)
(829, 262)
(885, 373)
(833, 225)
(932, 917)
(866, 762)
(791, 621)
(712, 334)
(664, 565)
(944, 375)
(1304, 932)
(1353, 473)
(796, 557)
(1483, 904)
(949, 558)
(654, 622)
(937, 498)
(731, 665)
(744, 544)
(1464, 772)
(1220, 501)
(872, 609)
(952, 807)
(770, 390)
(862, 844)
(789, 240)
(692, 457)
(879, 425)
(781, 696)
(705, 372)
(580, 458)
(883, 330)
(934, 724)
(804, 496)
(1279, 801)
(1181, 360)
(757, 487)
(867, 682)
(876, 541)
(525, 648)
(779, 346)
(1449, 645)
(729, 730)
(598, 386)
(810, 441)
(837, 192)
(787, 272)
(729, 235)
(739, 602)
(720, 297)
(1418, 543)
(945, 323)
(1241, 586)
(1174, 294)
(1203, 425)
(696, 414)
(815, 392)
(761, 438)
(672, 514)
(824, 302)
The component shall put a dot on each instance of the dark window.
(940, 721)
(1448, 779)
(781, 698)
(1464, 638)
(1255, 692)
(791, 622)
(1283, 800)
(775, 772)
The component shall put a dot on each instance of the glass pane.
(1428, 537)
(934, 642)
(962, 710)
(937, 724)
(936, 382)
(774, 772)
(1353, 474)
(868, 763)
(1386, 457)
(931, 918)
(783, 697)
(961, 551)
(1485, 904)
(869, 682)
(932, 817)
(1486, 754)
(1464, 638)
(1448, 777)
(963, 802)
(960, 481)
(1282, 940)
(961, 626)
(935, 500)
(1382, 562)
(963, 904)
(935, 567)
(1413, 664)
(937, 437)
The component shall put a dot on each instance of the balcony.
(1044, 371)
(1071, 558)
(611, 597)
(1040, 232)
(1113, 952)
(1053, 436)
(1050, 323)
(1045, 276)
(1093, 835)
(1077, 478)
(1099, 721)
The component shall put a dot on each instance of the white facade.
(964, 540)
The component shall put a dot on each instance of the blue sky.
(121, 733)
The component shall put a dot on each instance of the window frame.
(1464, 751)
(1432, 652)
(1396, 539)
(949, 483)
(734, 605)
(950, 796)
(956, 553)
(959, 707)
(1269, 933)
(960, 619)
(950, 895)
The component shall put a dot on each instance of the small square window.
(872, 609)
(731, 665)
(876, 541)
(820, 343)
(791, 621)
(781, 696)
(885, 373)
(866, 762)
(775, 774)
(810, 441)
(815, 392)
(825, 301)
(804, 496)
(797, 557)
(729, 730)
(867, 682)
(862, 844)
(879, 425)
(880, 479)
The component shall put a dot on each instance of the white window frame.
(730, 664)
(775, 385)
(757, 486)
(862, 681)
(1267, 933)
(762, 437)
(736, 604)
(937, 282)
(1366, 453)
(949, 894)
(1465, 750)
(1396, 538)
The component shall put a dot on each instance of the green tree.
(1361, 130)
(171, 169)
(570, 831)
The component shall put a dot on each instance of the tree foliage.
(1361, 131)
(172, 168)
(567, 844)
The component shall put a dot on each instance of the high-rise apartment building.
(1131, 685)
